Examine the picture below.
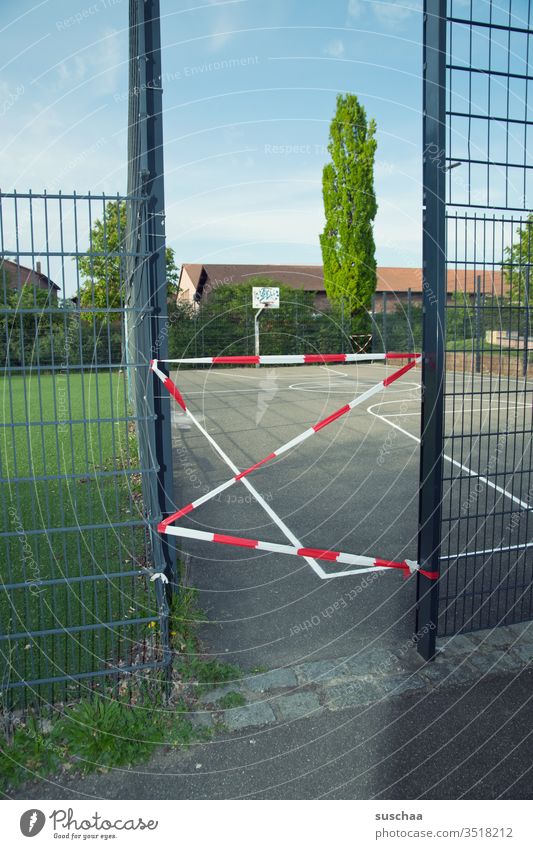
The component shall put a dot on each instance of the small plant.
(102, 733)
(30, 753)
(232, 700)
(206, 672)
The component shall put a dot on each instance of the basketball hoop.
(265, 297)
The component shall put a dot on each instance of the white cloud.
(355, 9)
(334, 48)
(390, 13)
(101, 65)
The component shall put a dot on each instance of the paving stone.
(446, 672)
(257, 713)
(316, 671)
(276, 679)
(459, 644)
(496, 638)
(214, 696)
(409, 660)
(523, 652)
(351, 694)
(491, 662)
(374, 662)
(522, 631)
(393, 685)
(297, 705)
(201, 719)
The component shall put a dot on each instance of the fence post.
(526, 326)
(434, 294)
(410, 335)
(384, 322)
(478, 323)
(149, 284)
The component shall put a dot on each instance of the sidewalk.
(379, 726)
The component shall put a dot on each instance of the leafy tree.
(224, 324)
(348, 249)
(103, 274)
(518, 258)
(460, 318)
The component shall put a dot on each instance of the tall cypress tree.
(348, 248)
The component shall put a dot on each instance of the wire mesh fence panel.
(224, 325)
(486, 554)
(76, 604)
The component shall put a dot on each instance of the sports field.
(74, 535)
(351, 487)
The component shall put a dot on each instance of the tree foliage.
(30, 333)
(518, 258)
(348, 248)
(102, 267)
(224, 324)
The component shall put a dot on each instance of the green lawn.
(69, 425)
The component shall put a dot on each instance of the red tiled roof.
(311, 277)
(17, 272)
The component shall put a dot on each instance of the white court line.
(452, 461)
(520, 546)
(325, 576)
(457, 412)
(260, 500)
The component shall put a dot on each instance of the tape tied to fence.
(408, 567)
(166, 526)
(289, 359)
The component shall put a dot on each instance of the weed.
(232, 700)
(102, 733)
(31, 753)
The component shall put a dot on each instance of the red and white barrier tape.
(289, 359)
(292, 443)
(371, 564)
(408, 567)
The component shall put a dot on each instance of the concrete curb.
(290, 693)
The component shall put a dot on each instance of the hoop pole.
(256, 333)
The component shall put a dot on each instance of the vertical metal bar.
(434, 270)
(526, 316)
(373, 324)
(384, 322)
(146, 175)
(410, 335)
(477, 308)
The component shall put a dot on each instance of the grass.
(106, 732)
(191, 665)
(93, 736)
(231, 700)
(94, 444)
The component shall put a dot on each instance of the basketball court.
(353, 487)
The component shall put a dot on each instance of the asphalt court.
(352, 487)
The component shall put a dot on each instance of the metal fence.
(84, 455)
(218, 327)
(75, 603)
(477, 374)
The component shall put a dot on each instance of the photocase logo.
(32, 822)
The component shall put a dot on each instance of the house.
(15, 276)
(393, 284)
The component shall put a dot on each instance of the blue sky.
(250, 90)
